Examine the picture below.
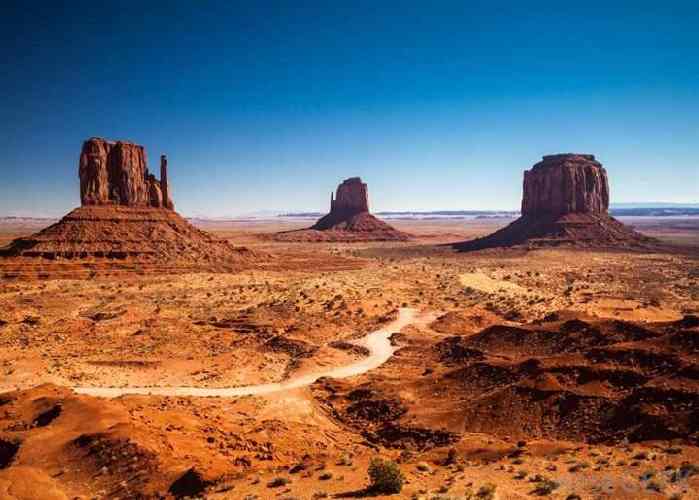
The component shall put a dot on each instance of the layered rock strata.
(116, 173)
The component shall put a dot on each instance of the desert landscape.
(278, 250)
(145, 358)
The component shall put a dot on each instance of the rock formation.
(565, 201)
(116, 173)
(566, 183)
(351, 199)
(127, 215)
(349, 219)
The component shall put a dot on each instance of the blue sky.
(268, 105)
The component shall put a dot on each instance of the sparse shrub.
(325, 476)
(319, 494)
(654, 486)
(423, 467)
(688, 470)
(385, 476)
(647, 475)
(684, 471)
(486, 492)
(278, 482)
(545, 487)
(521, 474)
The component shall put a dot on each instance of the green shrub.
(385, 476)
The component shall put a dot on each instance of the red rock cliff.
(352, 197)
(117, 173)
(565, 183)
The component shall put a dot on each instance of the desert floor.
(549, 372)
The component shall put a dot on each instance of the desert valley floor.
(550, 372)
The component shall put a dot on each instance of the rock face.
(352, 197)
(116, 173)
(565, 201)
(566, 183)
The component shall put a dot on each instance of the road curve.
(378, 342)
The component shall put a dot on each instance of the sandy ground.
(457, 404)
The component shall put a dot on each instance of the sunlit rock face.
(351, 199)
(566, 183)
(116, 173)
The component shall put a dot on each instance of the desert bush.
(277, 482)
(423, 467)
(654, 486)
(545, 487)
(486, 492)
(385, 476)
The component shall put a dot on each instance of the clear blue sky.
(268, 105)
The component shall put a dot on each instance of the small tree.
(385, 476)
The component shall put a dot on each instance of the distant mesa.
(126, 221)
(349, 219)
(565, 201)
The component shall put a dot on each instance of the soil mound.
(565, 202)
(598, 381)
(349, 219)
(581, 379)
(117, 232)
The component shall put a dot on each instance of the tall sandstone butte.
(565, 201)
(352, 197)
(116, 173)
(566, 183)
(349, 219)
(349, 210)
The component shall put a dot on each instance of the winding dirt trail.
(378, 342)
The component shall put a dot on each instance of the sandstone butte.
(348, 220)
(565, 202)
(127, 219)
(116, 173)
